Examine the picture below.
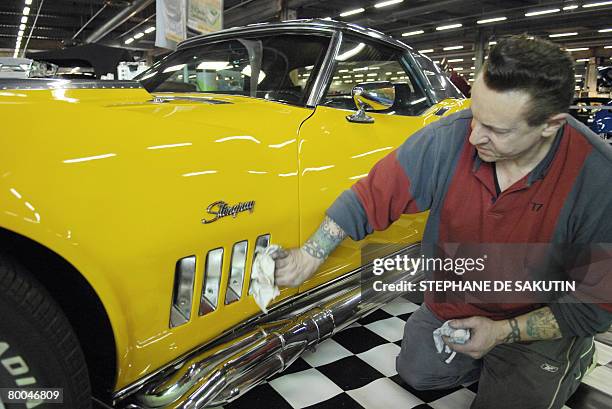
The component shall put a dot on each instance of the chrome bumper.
(222, 370)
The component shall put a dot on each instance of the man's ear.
(553, 124)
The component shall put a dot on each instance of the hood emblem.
(221, 209)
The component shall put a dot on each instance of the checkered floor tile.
(356, 370)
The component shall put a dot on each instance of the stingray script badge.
(221, 209)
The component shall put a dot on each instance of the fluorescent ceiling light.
(213, 65)
(351, 53)
(351, 12)
(563, 35)
(412, 33)
(21, 26)
(20, 33)
(572, 7)
(605, 30)
(24, 19)
(492, 42)
(456, 60)
(601, 3)
(387, 3)
(28, 2)
(577, 49)
(608, 46)
(26, 11)
(326, 18)
(578, 76)
(540, 12)
(491, 20)
(429, 50)
(458, 68)
(138, 35)
(129, 41)
(454, 47)
(180, 66)
(472, 68)
(582, 60)
(448, 27)
(150, 30)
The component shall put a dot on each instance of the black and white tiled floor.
(356, 370)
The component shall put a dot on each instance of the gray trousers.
(525, 375)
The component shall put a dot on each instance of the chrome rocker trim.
(230, 366)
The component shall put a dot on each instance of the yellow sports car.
(131, 212)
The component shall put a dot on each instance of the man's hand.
(485, 334)
(294, 266)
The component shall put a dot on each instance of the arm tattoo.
(515, 331)
(325, 239)
(541, 324)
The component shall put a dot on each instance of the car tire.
(38, 347)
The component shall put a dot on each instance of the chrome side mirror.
(373, 97)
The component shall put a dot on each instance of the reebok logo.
(549, 368)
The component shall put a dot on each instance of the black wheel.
(38, 347)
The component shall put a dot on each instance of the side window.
(278, 68)
(360, 62)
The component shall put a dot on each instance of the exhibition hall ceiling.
(585, 25)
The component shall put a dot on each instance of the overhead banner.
(205, 16)
(171, 23)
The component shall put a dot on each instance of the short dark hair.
(536, 66)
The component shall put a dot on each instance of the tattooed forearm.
(325, 239)
(514, 335)
(541, 324)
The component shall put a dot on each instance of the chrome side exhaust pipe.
(240, 360)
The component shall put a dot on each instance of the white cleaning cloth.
(262, 277)
(457, 336)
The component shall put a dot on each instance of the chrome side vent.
(182, 294)
(211, 282)
(262, 242)
(235, 281)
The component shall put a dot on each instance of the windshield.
(279, 68)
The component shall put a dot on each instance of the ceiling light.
(412, 33)
(601, 3)
(563, 35)
(20, 33)
(576, 49)
(351, 53)
(605, 30)
(429, 50)
(28, 2)
(351, 12)
(138, 35)
(572, 7)
(582, 60)
(492, 42)
(458, 68)
(150, 30)
(326, 18)
(21, 26)
(472, 68)
(608, 46)
(216, 66)
(448, 27)
(24, 19)
(26, 11)
(540, 12)
(454, 47)
(471, 74)
(455, 60)
(387, 3)
(129, 41)
(491, 20)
